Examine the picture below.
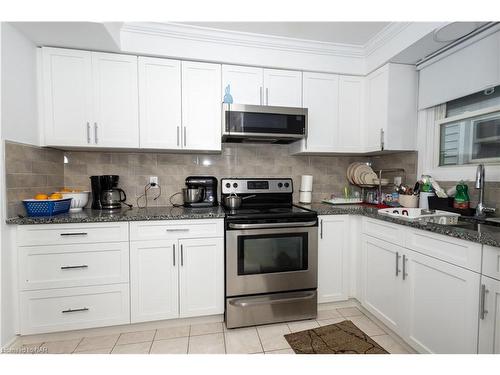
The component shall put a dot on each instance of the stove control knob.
(235, 185)
(228, 185)
(280, 185)
(287, 184)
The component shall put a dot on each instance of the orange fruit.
(41, 197)
(56, 196)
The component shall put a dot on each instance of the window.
(470, 133)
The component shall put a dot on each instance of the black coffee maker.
(208, 196)
(105, 192)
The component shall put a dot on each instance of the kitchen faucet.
(481, 210)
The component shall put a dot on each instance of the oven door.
(266, 260)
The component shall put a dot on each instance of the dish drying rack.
(379, 173)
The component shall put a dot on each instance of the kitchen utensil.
(410, 201)
(416, 189)
(78, 200)
(113, 198)
(233, 202)
(192, 195)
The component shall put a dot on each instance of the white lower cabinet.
(440, 301)
(333, 261)
(154, 280)
(178, 276)
(489, 316)
(431, 304)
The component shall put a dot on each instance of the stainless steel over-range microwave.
(262, 123)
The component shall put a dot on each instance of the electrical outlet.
(153, 180)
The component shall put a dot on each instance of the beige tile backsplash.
(32, 169)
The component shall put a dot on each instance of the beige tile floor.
(204, 338)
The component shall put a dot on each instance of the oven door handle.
(272, 225)
(247, 302)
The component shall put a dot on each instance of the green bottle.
(462, 199)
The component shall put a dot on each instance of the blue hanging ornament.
(227, 96)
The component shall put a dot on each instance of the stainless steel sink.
(477, 225)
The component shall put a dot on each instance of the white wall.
(19, 88)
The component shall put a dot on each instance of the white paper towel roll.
(305, 197)
(306, 183)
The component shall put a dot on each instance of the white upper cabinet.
(67, 97)
(246, 84)
(116, 109)
(391, 108)
(350, 114)
(320, 94)
(160, 103)
(201, 106)
(282, 88)
(464, 72)
(90, 99)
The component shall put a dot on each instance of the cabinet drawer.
(452, 250)
(62, 266)
(172, 229)
(60, 234)
(383, 230)
(74, 308)
(491, 261)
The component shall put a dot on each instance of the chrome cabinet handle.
(178, 136)
(96, 139)
(260, 92)
(74, 267)
(75, 310)
(382, 136)
(184, 136)
(173, 253)
(88, 132)
(267, 96)
(404, 267)
(321, 229)
(177, 229)
(397, 263)
(74, 234)
(182, 255)
(483, 310)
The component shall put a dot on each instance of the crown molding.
(237, 38)
(384, 36)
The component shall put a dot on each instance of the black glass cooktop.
(269, 212)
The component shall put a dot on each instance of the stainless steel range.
(271, 254)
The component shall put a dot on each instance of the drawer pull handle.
(178, 230)
(75, 310)
(75, 234)
(74, 267)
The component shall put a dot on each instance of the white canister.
(305, 197)
(424, 202)
(306, 183)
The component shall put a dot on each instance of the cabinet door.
(382, 281)
(489, 325)
(321, 95)
(377, 96)
(283, 88)
(67, 93)
(350, 114)
(201, 276)
(441, 304)
(201, 106)
(154, 279)
(246, 84)
(333, 263)
(160, 103)
(116, 117)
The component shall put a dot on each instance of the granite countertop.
(125, 214)
(485, 234)
(488, 235)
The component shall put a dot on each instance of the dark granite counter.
(125, 214)
(484, 234)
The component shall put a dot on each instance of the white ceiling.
(358, 33)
